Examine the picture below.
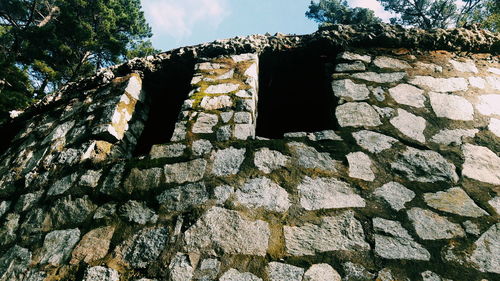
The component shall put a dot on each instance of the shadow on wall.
(295, 93)
(166, 90)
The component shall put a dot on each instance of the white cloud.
(177, 18)
(373, 5)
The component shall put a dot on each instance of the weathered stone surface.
(309, 158)
(346, 67)
(400, 245)
(62, 185)
(349, 90)
(399, 248)
(385, 274)
(146, 246)
(277, 271)
(201, 147)
(341, 232)
(222, 193)
(453, 136)
(138, 212)
(477, 82)
(295, 135)
(495, 203)
(380, 77)
(224, 133)
(263, 193)
(494, 126)
(4, 207)
(354, 57)
(324, 135)
(106, 210)
(464, 66)
(267, 160)
(424, 166)
(471, 228)
(14, 262)
(167, 150)
(455, 201)
(234, 275)
(244, 131)
(357, 115)
(227, 161)
(356, 272)
(494, 82)
(486, 255)
(392, 63)
(71, 212)
(141, 180)
(179, 131)
(373, 141)
(90, 178)
(226, 230)
(360, 166)
(101, 273)
(488, 104)
(222, 88)
(243, 117)
(441, 85)
(190, 171)
(321, 272)
(205, 123)
(431, 276)
(395, 194)
(218, 102)
(431, 226)
(58, 245)
(183, 197)
(481, 164)
(451, 106)
(112, 181)
(93, 246)
(8, 231)
(180, 268)
(208, 269)
(408, 95)
(429, 66)
(410, 125)
(26, 201)
(327, 193)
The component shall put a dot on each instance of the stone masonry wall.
(407, 187)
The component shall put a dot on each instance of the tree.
(428, 14)
(338, 12)
(53, 42)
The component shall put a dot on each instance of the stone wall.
(405, 186)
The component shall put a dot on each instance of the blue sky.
(179, 23)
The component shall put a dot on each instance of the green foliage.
(428, 14)
(54, 42)
(338, 12)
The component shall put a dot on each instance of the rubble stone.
(321, 272)
(454, 201)
(349, 90)
(481, 164)
(395, 194)
(357, 114)
(221, 229)
(190, 171)
(408, 95)
(267, 160)
(58, 245)
(410, 125)
(262, 192)
(327, 193)
(451, 107)
(227, 161)
(360, 166)
(431, 226)
(278, 271)
(341, 232)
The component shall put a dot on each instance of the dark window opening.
(295, 93)
(166, 90)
